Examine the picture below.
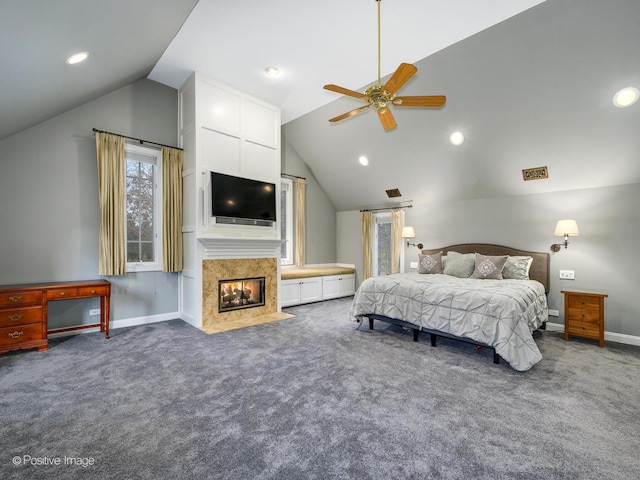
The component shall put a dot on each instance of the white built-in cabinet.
(336, 286)
(298, 291)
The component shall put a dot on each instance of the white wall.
(604, 256)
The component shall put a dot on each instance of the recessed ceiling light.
(77, 57)
(456, 138)
(364, 161)
(272, 71)
(626, 97)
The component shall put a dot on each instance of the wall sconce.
(409, 232)
(566, 228)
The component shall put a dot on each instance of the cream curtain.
(366, 225)
(300, 222)
(396, 239)
(111, 195)
(172, 162)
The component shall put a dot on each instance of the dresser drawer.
(20, 298)
(93, 291)
(11, 317)
(20, 334)
(62, 293)
(584, 302)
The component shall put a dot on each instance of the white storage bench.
(314, 283)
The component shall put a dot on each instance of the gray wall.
(604, 256)
(320, 235)
(49, 198)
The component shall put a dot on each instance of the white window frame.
(155, 158)
(286, 186)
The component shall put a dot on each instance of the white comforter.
(499, 313)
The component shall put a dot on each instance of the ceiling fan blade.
(403, 73)
(349, 114)
(345, 91)
(422, 101)
(386, 117)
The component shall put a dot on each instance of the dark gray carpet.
(311, 397)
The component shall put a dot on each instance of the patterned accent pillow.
(430, 263)
(489, 267)
(459, 264)
(517, 267)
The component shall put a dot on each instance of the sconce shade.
(567, 228)
(408, 232)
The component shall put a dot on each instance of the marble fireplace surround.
(226, 259)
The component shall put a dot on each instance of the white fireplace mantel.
(240, 247)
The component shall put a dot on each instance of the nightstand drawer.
(20, 316)
(61, 293)
(20, 334)
(584, 329)
(587, 315)
(584, 301)
(19, 299)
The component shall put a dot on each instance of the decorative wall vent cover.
(535, 173)
(394, 192)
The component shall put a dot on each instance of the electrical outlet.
(567, 274)
(554, 313)
(414, 264)
(94, 311)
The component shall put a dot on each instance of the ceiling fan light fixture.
(77, 58)
(456, 138)
(626, 97)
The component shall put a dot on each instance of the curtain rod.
(291, 176)
(385, 208)
(136, 139)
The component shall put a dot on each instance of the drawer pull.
(15, 299)
(15, 334)
(62, 294)
(93, 291)
(14, 318)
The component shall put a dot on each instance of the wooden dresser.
(584, 315)
(23, 311)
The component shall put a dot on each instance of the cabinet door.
(310, 290)
(330, 287)
(290, 293)
(346, 285)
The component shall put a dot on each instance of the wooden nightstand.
(584, 315)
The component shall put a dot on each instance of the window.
(143, 228)
(286, 221)
(381, 244)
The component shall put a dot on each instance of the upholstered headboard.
(539, 267)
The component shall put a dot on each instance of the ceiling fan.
(382, 96)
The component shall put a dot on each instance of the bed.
(489, 295)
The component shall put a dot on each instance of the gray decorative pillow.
(459, 264)
(517, 267)
(430, 263)
(489, 267)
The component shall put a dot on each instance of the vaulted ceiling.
(528, 82)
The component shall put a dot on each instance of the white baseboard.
(122, 323)
(608, 336)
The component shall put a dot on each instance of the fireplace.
(240, 293)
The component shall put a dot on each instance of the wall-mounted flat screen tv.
(236, 197)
